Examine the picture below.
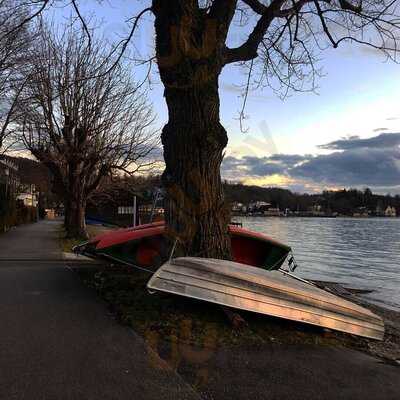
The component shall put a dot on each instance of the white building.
(28, 195)
(390, 212)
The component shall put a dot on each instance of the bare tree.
(278, 49)
(15, 40)
(81, 119)
(192, 48)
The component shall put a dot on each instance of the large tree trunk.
(75, 201)
(76, 226)
(189, 47)
(194, 141)
(66, 212)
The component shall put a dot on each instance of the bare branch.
(30, 17)
(256, 6)
(85, 27)
(127, 40)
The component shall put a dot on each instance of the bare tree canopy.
(80, 120)
(15, 40)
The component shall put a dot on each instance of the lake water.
(360, 253)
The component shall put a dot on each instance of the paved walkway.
(57, 340)
(34, 241)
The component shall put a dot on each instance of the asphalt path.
(57, 339)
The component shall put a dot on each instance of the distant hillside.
(343, 201)
(247, 194)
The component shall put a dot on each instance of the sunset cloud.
(356, 162)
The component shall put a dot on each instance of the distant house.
(28, 194)
(8, 187)
(273, 212)
(316, 211)
(236, 206)
(259, 206)
(379, 211)
(390, 212)
(361, 212)
(8, 173)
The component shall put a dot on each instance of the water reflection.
(362, 253)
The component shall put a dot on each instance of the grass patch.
(172, 318)
(67, 244)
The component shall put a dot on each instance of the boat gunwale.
(161, 230)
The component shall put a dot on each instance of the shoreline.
(312, 216)
(389, 348)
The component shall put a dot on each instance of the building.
(273, 212)
(8, 173)
(258, 206)
(28, 194)
(361, 212)
(237, 207)
(8, 189)
(379, 211)
(316, 211)
(390, 212)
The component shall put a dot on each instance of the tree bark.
(193, 141)
(77, 226)
(75, 201)
(189, 49)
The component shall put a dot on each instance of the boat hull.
(266, 292)
(148, 246)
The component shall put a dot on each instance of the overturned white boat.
(267, 292)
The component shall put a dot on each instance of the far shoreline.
(312, 216)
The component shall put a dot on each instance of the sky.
(346, 134)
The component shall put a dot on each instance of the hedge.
(13, 212)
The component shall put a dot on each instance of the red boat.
(146, 246)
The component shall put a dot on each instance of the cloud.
(380, 129)
(266, 168)
(251, 166)
(384, 140)
(357, 162)
(289, 159)
(365, 166)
